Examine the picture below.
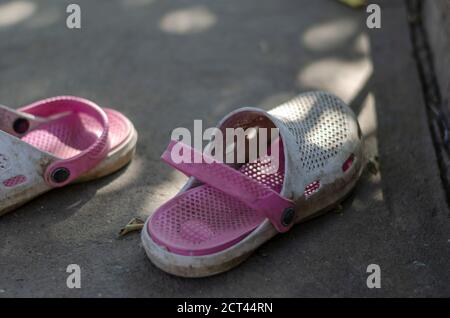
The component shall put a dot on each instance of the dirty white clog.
(225, 212)
(56, 141)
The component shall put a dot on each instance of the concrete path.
(166, 63)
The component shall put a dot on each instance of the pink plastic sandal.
(224, 213)
(57, 141)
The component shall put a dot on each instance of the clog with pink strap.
(226, 211)
(57, 141)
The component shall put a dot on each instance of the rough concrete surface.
(166, 63)
(437, 21)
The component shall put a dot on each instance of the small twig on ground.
(135, 224)
(372, 166)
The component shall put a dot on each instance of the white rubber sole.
(115, 160)
(330, 197)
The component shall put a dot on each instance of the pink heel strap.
(279, 210)
(62, 172)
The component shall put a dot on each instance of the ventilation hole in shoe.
(319, 123)
(261, 171)
(14, 181)
(348, 163)
(312, 188)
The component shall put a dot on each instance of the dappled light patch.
(44, 18)
(367, 119)
(344, 78)
(14, 12)
(187, 21)
(367, 116)
(329, 35)
(362, 45)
